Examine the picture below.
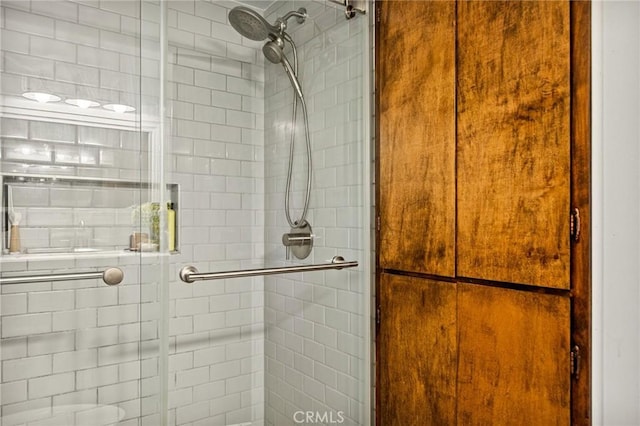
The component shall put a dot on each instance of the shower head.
(251, 24)
(273, 51)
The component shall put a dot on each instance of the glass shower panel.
(317, 324)
(215, 100)
(79, 123)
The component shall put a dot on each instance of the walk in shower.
(185, 213)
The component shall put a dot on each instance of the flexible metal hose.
(301, 222)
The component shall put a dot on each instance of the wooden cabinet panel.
(415, 80)
(416, 352)
(514, 366)
(513, 152)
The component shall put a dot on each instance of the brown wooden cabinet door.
(475, 110)
(416, 110)
(513, 148)
(417, 352)
(513, 357)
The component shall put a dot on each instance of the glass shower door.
(84, 207)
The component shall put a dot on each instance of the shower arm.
(300, 15)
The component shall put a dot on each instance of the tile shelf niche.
(79, 215)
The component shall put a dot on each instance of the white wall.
(616, 191)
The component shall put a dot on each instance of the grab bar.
(190, 274)
(111, 276)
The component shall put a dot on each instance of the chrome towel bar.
(111, 276)
(190, 274)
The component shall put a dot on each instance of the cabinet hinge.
(575, 362)
(378, 223)
(378, 13)
(378, 316)
(574, 224)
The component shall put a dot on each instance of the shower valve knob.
(296, 239)
(298, 242)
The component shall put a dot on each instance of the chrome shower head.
(251, 24)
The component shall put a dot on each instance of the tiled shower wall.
(315, 352)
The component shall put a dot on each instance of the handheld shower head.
(273, 51)
(292, 77)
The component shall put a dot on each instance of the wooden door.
(417, 354)
(489, 222)
(513, 142)
(417, 124)
(513, 357)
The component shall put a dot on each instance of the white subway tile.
(95, 337)
(19, 325)
(210, 80)
(53, 49)
(214, 47)
(87, 298)
(87, 396)
(76, 360)
(120, 43)
(224, 370)
(51, 301)
(180, 397)
(13, 392)
(180, 361)
(211, 11)
(58, 9)
(210, 321)
(193, 377)
(28, 22)
(54, 384)
(118, 353)
(226, 403)
(77, 74)
(194, 24)
(13, 41)
(70, 320)
(128, 8)
(78, 34)
(209, 391)
(213, 115)
(24, 65)
(192, 306)
(50, 343)
(12, 304)
(94, 377)
(119, 392)
(14, 348)
(226, 100)
(121, 314)
(98, 18)
(193, 412)
(25, 368)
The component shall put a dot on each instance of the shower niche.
(66, 214)
(71, 186)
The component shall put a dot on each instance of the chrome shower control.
(299, 241)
